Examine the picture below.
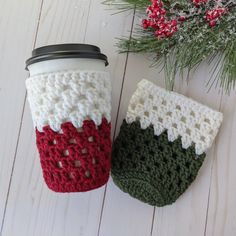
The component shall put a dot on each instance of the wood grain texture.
(187, 216)
(45, 212)
(28, 208)
(129, 216)
(103, 30)
(222, 208)
(194, 203)
(16, 42)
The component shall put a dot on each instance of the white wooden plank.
(16, 41)
(123, 215)
(63, 22)
(32, 209)
(222, 209)
(45, 212)
(191, 208)
(103, 30)
(188, 215)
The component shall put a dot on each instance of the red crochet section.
(75, 160)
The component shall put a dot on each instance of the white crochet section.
(180, 116)
(73, 96)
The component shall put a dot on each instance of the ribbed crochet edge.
(125, 182)
(73, 189)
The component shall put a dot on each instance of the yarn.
(69, 96)
(150, 158)
(75, 160)
(180, 116)
(71, 115)
(150, 167)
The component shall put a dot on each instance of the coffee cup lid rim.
(69, 50)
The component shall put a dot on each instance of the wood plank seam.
(124, 75)
(153, 217)
(19, 132)
(211, 170)
(208, 197)
(103, 202)
(212, 166)
(12, 169)
(85, 33)
(117, 115)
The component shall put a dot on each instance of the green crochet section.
(149, 167)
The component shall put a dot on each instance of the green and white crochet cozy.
(161, 144)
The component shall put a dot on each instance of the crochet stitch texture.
(75, 161)
(150, 167)
(180, 116)
(161, 145)
(72, 96)
(71, 114)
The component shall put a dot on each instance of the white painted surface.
(28, 208)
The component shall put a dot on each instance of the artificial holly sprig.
(182, 34)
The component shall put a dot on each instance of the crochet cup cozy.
(161, 144)
(71, 115)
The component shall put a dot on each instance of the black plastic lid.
(59, 51)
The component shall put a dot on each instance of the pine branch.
(192, 44)
(127, 4)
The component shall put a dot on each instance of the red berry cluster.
(212, 16)
(157, 20)
(199, 2)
